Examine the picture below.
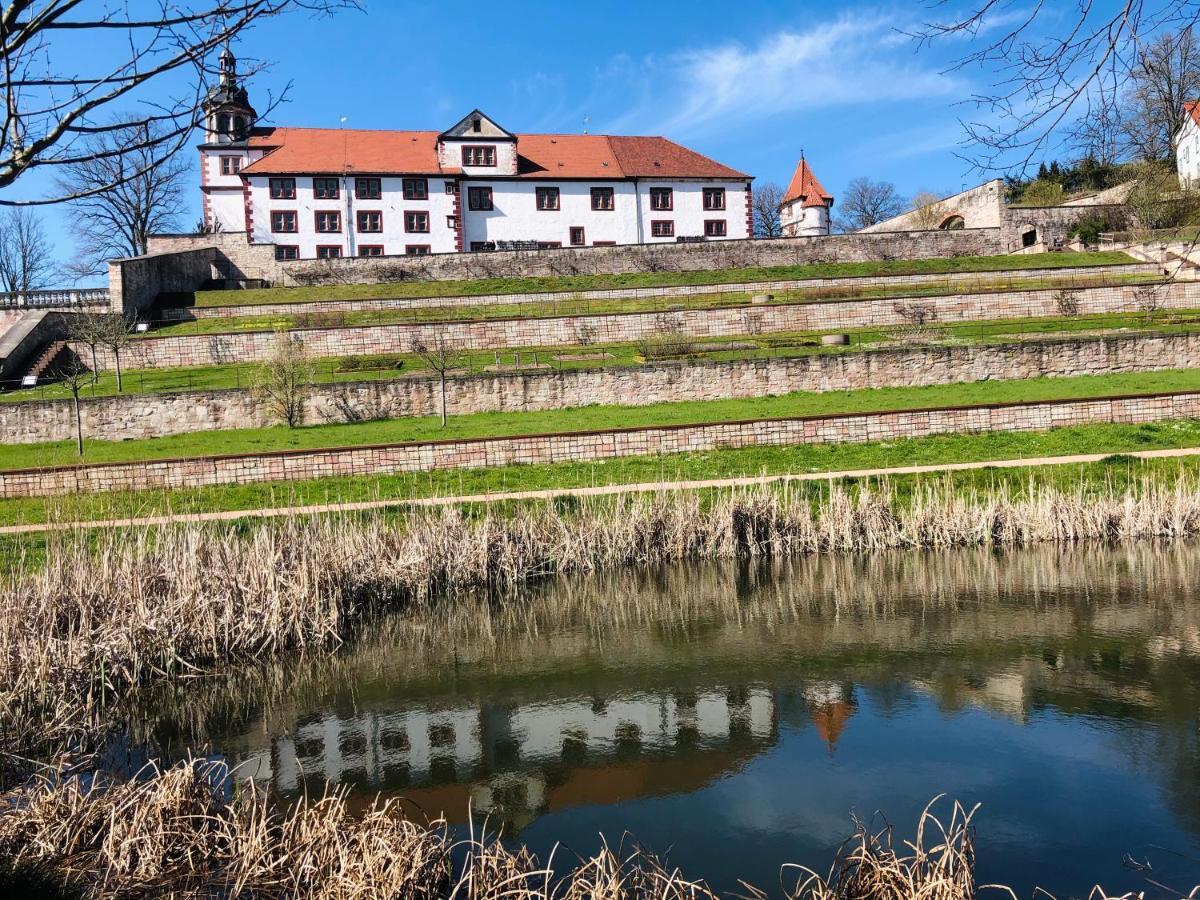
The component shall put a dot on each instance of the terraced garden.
(777, 345)
(599, 418)
(476, 287)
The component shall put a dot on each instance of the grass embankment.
(752, 461)
(624, 306)
(476, 287)
(776, 345)
(598, 418)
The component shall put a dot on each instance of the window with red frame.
(479, 198)
(451, 222)
(714, 198)
(326, 188)
(478, 156)
(370, 249)
(662, 198)
(416, 222)
(416, 250)
(283, 221)
(547, 199)
(369, 221)
(328, 221)
(231, 165)
(367, 188)
(662, 228)
(714, 228)
(578, 236)
(602, 199)
(416, 189)
(329, 251)
(283, 188)
(287, 251)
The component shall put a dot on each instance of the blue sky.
(748, 84)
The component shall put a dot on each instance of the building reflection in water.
(519, 761)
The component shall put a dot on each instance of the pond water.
(732, 717)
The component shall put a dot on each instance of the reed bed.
(183, 833)
(99, 620)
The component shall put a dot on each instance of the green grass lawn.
(675, 467)
(626, 306)
(587, 418)
(476, 287)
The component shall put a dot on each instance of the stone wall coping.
(1006, 346)
(151, 336)
(734, 286)
(470, 441)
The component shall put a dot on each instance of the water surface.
(733, 716)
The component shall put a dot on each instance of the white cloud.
(844, 62)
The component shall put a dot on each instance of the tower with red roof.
(805, 208)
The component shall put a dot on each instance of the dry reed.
(183, 833)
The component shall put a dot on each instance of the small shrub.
(1066, 301)
(370, 362)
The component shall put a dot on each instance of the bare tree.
(1165, 76)
(1050, 63)
(917, 317)
(443, 356)
(123, 198)
(74, 375)
(26, 258)
(86, 329)
(764, 209)
(284, 381)
(52, 110)
(866, 202)
(928, 211)
(114, 335)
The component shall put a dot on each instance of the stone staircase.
(43, 363)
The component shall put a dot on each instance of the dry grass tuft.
(938, 865)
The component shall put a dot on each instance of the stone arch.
(953, 222)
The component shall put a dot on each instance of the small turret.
(228, 115)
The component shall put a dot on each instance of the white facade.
(1187, 150)
(475, 186)
(797, 220)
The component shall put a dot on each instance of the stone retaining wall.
(553, 448)
(154, 415)
(241, 259)
(964, 281)
(221, 349)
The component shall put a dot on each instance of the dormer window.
(478, 156)
(476, 125)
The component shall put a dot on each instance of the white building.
(317, 192)
(804, 211)
(1187, 146)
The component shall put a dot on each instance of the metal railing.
(65, 298)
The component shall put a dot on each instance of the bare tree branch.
(866, 202)
(764, 209)
(1058, 60)
(47, 113)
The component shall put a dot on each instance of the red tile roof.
(1192, 108)
(805, 187)
(313, 150)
